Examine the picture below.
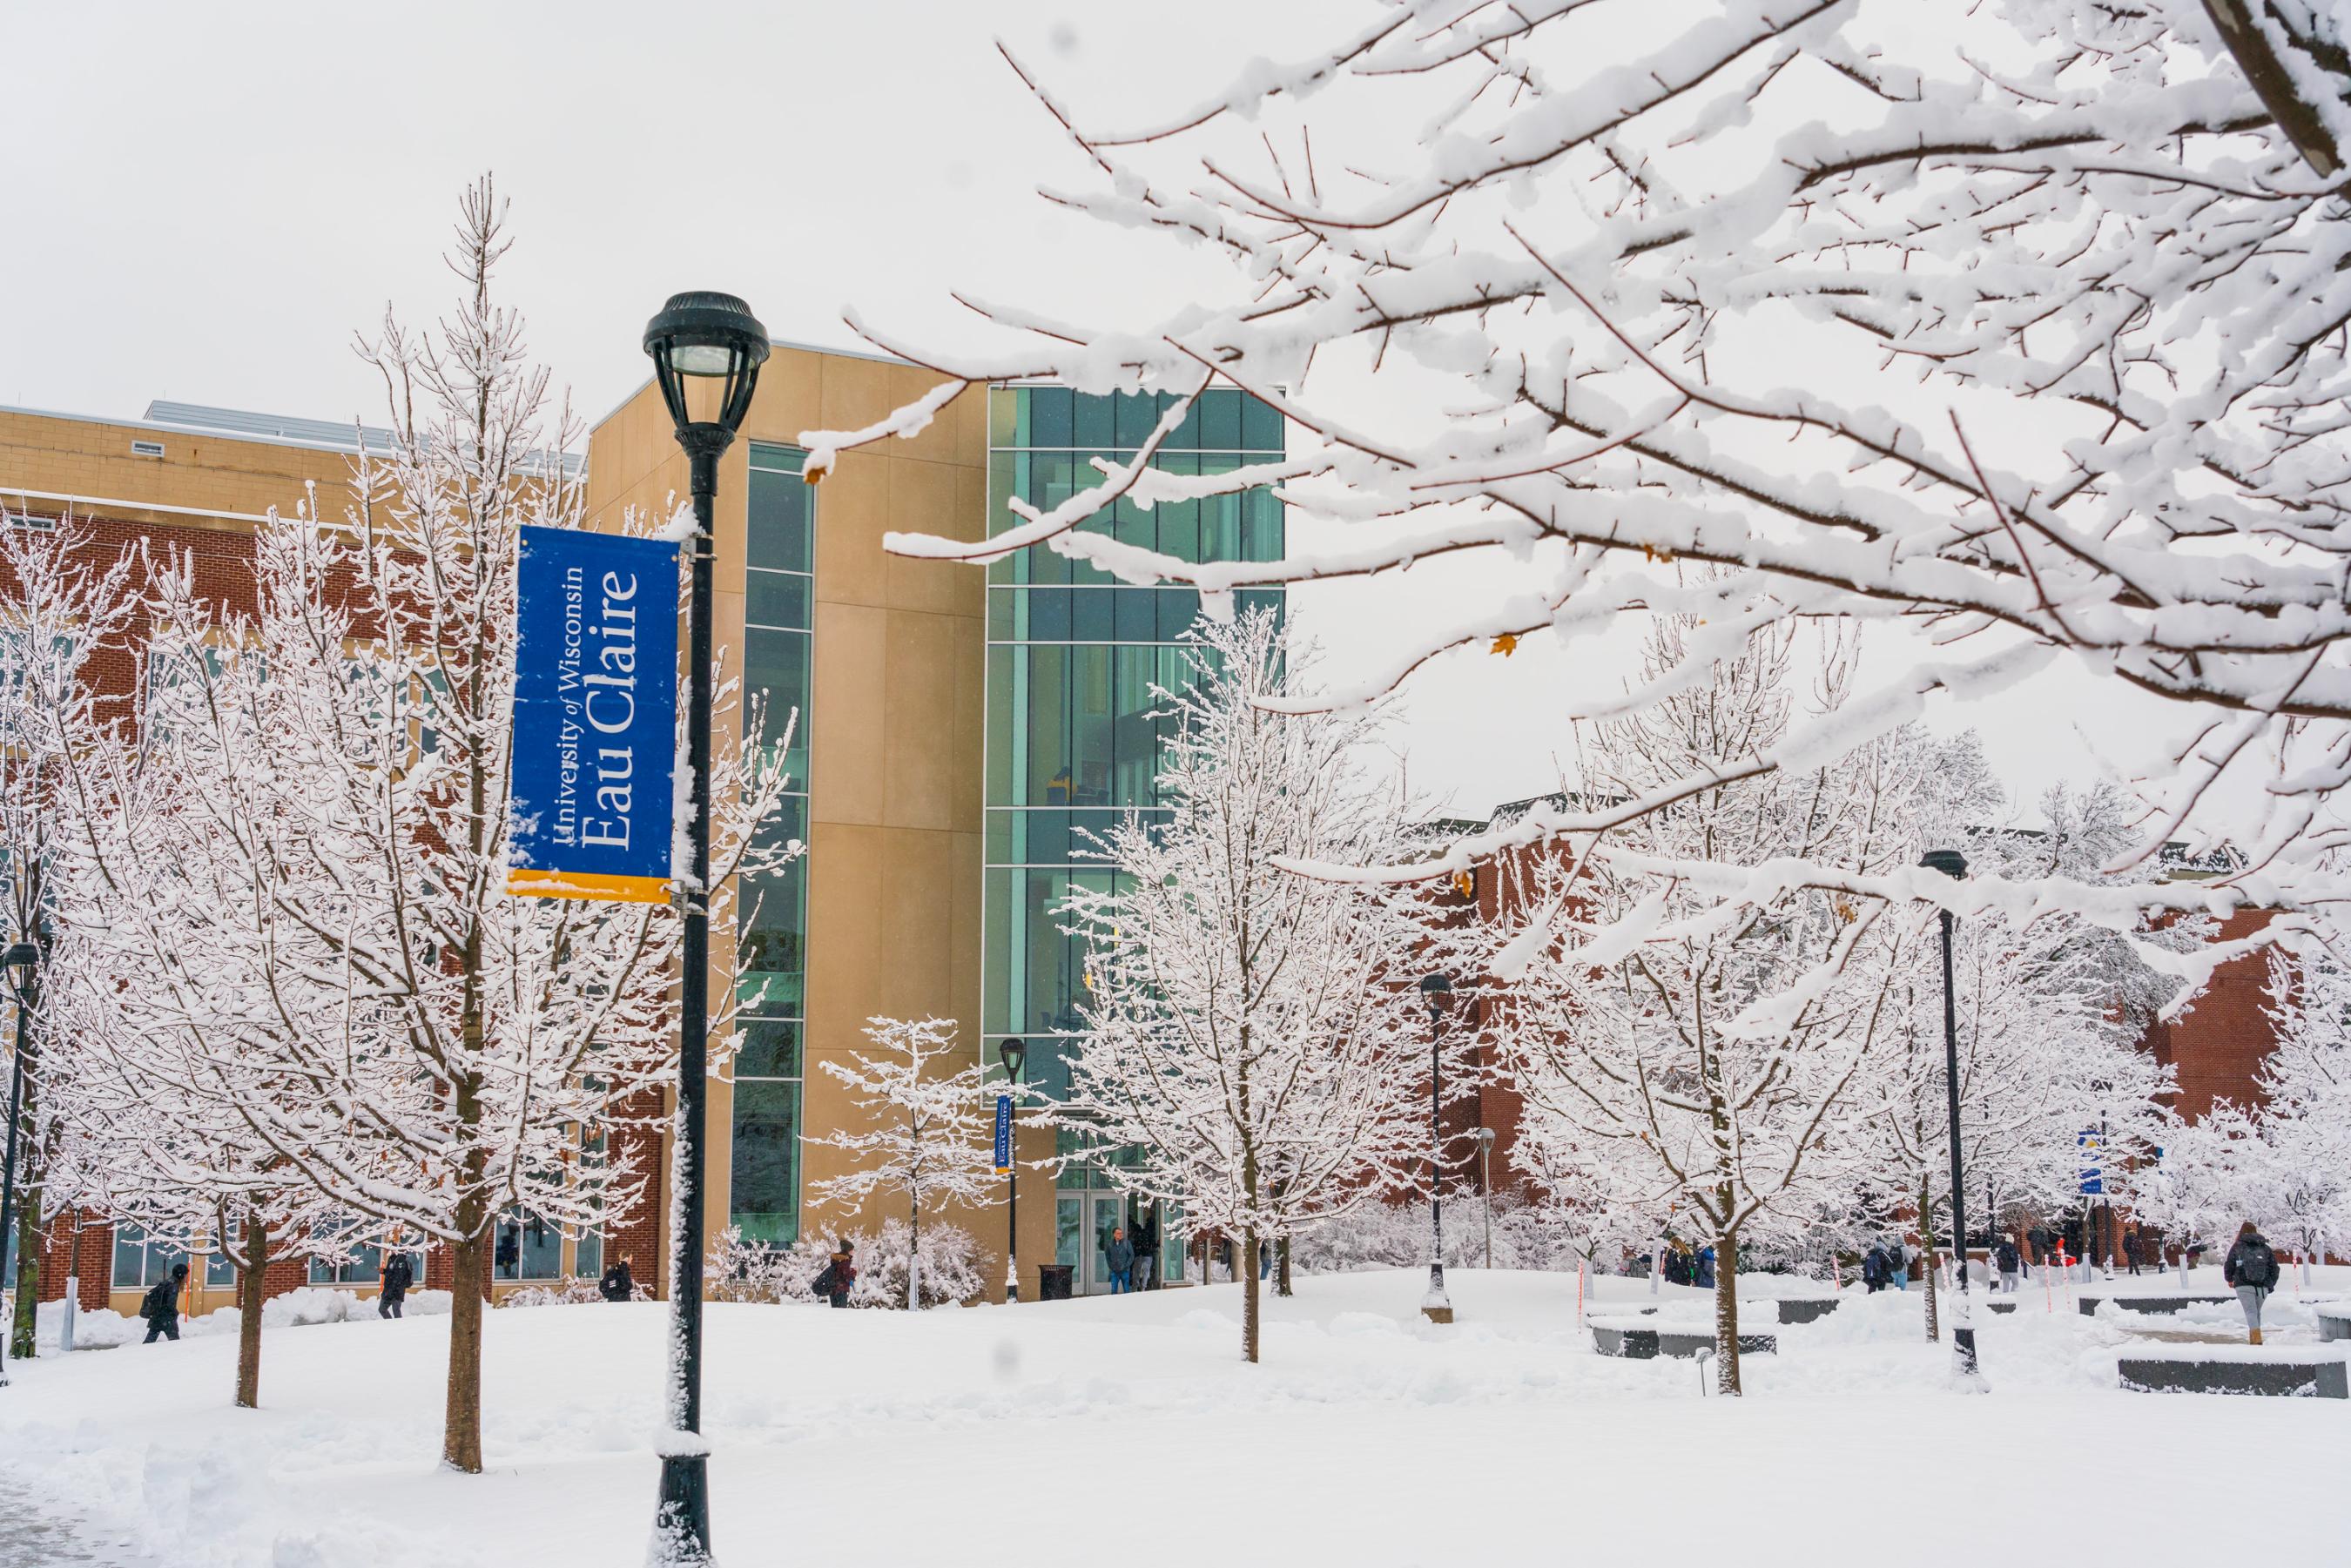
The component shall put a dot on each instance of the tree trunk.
(250, 1281)
(1725, 1313)
(461, 1434)
(1246, 1267)
(1927, 1259)
(915, 1256)
(1281, 1267)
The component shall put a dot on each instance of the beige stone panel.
(849, 758)
(718, 1147)
(918, 723)
(856, 393)
(852, 514)
(918, 928)
(790, 399)
(967, 783)
(942, 440)
(845, 952)
(964, 896)
(922, 499)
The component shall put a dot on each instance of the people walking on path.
(840, 1274)
(1898, 1259)
(160, 1305)
(2253, 1268)
(619, 1283)
(1874, 1268)
(1118, 1257)
(398, 1274)
(2006, 1259)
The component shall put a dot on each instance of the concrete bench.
(1637, 1342)
(2250, 1369)
(2334, 1320)
(2089, 1303)
(1805, 1309)
(1999, 1304)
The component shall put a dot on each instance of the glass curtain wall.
(1074, 738)
(778, 592)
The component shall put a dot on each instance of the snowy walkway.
(1128, 1431)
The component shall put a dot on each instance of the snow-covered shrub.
(562, 1294)
(1396, 1236)
(737, 1269)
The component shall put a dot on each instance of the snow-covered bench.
(1636, 1339)
(2149, 1303)
(1803, 1309)
(2303, 1371)
(2334, 1320)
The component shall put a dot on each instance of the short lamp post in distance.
(1485, 1137)
(20, 957)
(1015, 1056)
(1952, 863)
(1436, 1306)
(711, 337)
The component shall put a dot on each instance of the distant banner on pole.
(1003, 1134)
(595, 725)
(2092, 1144)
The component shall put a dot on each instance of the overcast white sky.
(203, 202)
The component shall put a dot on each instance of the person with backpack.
(2253, 1268)
(839, 1275)
(619, 1283)
(1703, 1275)
(1874, 1268)
(2005, 1259)
(1897, 1263)
(161, 1306)
(398, 1275)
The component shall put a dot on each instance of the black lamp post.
(714, 336)
(22, 957)
(1952, 863)
(1015, 1055)
(1436, 1306)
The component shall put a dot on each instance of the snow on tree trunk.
(1725, 1313)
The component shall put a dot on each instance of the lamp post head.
(1951, 862)
(704, 333)
(1485, 1137)
(20, 956)
(1438, 984)
(1014, 1053)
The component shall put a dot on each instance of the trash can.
(1053, 1281)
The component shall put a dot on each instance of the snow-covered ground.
(1127, 1431)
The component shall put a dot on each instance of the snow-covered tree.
(1255, 1043)
(927, 1137)
(2009, 320)
(2307, 1119)
(1703, 1060)
(315, 906)
(64, 604)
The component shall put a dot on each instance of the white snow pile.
(100, 1328)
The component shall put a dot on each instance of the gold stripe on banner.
(583, 884)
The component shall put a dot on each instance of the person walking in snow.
(1898, 1264)
(619, 1283)
(1874, 1268)
(840, 1274)
(161, 1306)
(1118, 1257)
(398, 1275)
(1703, 1277)
(2253, 1268)
(2131, 1248)
(2004, 1258)
(1146, 1253)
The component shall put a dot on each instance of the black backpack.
(2257, 1266)
(161, 1301)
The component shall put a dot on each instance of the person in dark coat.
(2253, 1268)
(2131, 1248)
(1118, 1258)
(840, 1274)
(2005, 1259)
(1146, 1253)
(1703, 1276)
(161, 1306)
(398, 1275)
(1874, 1268)
(619, 1283)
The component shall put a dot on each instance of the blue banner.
(595, 724)
(1003, 1134)
(2092, 1144)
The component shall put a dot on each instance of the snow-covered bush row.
(101, 1328)
(738, 1270)
(1396, 1236)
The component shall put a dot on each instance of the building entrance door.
(1083, 1224)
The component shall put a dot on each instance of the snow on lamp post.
(1436, 1306)
(1951, 863)
(714, 337)
(21, 958)
(1015, 1056)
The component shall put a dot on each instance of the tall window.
(140, 1259)
(1072, 656)
(778, 601)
